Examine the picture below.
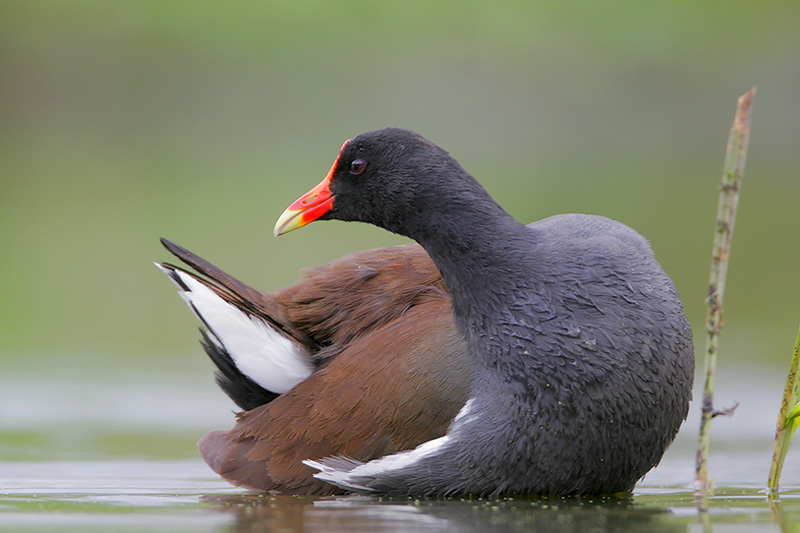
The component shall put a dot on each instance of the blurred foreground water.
(117, 453)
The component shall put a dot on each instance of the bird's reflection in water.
(265, 512)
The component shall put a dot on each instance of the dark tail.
(245, 392)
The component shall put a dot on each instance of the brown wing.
(393, 368)
(389, 390)
(359, 293)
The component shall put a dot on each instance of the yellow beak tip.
(289, 220)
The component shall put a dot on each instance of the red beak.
(310, 206)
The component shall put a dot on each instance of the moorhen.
(497, 358)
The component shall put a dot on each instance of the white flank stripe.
(464, 413)
(340, 478)
(394, 462)
(401, 460)
(259, 351)
(377, 467)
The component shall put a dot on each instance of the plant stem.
(735, 155)
(784, 430)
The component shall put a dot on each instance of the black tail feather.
(247, 298)
(245, 392)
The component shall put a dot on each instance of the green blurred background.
(121, 122)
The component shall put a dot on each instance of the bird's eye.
(357, 166)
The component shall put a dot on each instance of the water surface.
(118, 455)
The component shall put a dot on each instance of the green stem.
(735, 156)
(785, 427)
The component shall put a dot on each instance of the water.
(181, 495)
(88, 454)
